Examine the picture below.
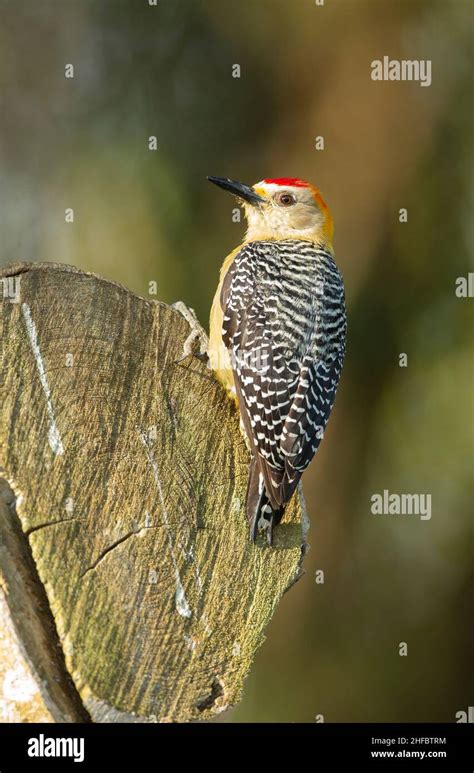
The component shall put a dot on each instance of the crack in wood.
(209, 700)
(109, 548)
(32, 616)
(32, 529)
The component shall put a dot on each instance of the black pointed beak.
(240, 190)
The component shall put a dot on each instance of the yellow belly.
(219, 359)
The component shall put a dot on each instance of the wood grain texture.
(129, 474)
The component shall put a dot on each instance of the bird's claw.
(197, 333)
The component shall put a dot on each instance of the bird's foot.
(197, 333)
(261, 522)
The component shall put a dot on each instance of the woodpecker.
(278, 335)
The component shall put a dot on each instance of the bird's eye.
(285, 199)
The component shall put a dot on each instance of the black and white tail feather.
(260, 513)
(284, 325)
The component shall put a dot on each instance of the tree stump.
(129, 590)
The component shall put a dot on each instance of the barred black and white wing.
(284, 325)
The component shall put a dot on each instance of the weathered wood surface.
(124, 553)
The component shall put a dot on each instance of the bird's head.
(282, 208)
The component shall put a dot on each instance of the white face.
(288, 212)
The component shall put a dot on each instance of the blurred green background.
(332, 649)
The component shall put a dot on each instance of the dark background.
(144, 216)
